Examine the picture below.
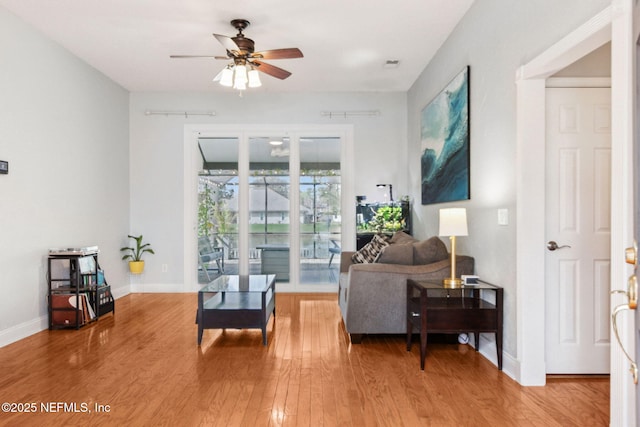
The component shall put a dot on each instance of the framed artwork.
(444, 141)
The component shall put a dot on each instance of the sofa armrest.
(345, 261)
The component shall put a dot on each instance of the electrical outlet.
(165, 268)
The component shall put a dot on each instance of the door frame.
(191, 165)
(613, 24)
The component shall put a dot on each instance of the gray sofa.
(372, 296)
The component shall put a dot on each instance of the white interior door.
(578, 203)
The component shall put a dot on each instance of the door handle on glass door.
(552, 245)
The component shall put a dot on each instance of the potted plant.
(136, 264)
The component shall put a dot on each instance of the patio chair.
(334, 250)
(209, 253)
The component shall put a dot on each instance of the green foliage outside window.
(214, 218)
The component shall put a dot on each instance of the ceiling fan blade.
(292, 52)
(228, 43)
(274, 71)
(198, 56)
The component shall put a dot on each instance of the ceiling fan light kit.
(225, 77)
(254, 78)
(246, 64)
(240, 77)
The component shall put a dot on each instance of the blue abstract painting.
(444, 137)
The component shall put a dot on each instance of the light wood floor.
(144, 363)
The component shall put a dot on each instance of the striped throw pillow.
(371, 251)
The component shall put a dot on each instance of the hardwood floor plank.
(291, 403)
(144, 364)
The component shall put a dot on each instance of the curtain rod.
(186, 114)
(345, 114)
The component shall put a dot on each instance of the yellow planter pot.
(136, 267)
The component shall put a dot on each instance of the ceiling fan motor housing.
(246, 45)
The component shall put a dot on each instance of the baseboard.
(121, 291)
(510, 365)
(39, 324)
(23, 330)
(151, 288)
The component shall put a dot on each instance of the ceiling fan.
(246, 61)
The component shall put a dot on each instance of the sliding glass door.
(272, 203)
(218, 189)
(269, 207)
(320, 210)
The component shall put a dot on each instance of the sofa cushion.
(400, 237)
(371, 251)
(397, 253)
(428, 251)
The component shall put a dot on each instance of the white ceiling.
(345, 42)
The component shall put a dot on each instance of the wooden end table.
(431, 308)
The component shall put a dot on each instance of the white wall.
(494, 38)
(157, 147)
(64, 131)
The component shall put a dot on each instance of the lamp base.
(452, 283)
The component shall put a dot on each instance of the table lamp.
(453, 222)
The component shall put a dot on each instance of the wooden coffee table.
(232, 301)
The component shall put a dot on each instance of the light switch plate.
(4, 167)
(503, 216)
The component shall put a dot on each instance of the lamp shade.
(453, 222)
